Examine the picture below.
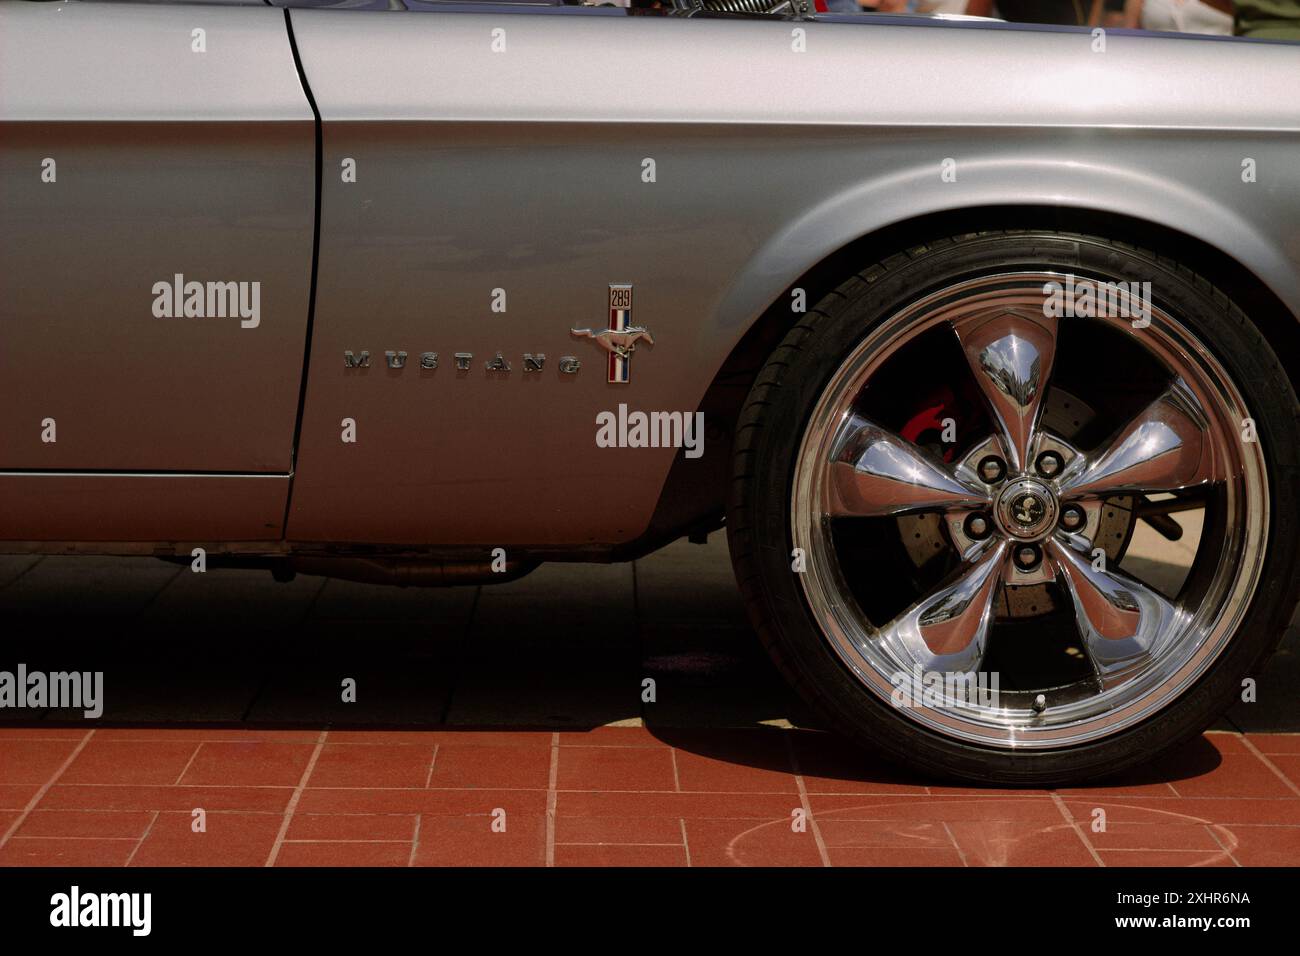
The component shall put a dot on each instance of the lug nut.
(1072, 518)
(977, 526)
(1040, 703)
(1027, 557)
(992, 469)
(1049, 464)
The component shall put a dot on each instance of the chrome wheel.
(1022, 506)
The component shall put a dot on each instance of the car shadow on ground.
(662, 644)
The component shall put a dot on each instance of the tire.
(835, 653)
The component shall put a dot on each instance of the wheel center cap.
(1026, 509)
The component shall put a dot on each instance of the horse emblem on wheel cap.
(620, 339)
(1028, 509)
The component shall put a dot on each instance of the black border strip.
(315, 265)
(233, 906)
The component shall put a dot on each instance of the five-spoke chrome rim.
(1023, 504)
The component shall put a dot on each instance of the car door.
(494, 178)
(157, 209)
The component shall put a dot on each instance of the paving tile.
(441, 802)
(343, 854)
(1271, 743)
(746, 843)
(734, 762)
(248, 764)
(956, 789)
(475, 767)
(1115, 791)
(1267, 846)
(1289, 764)
(746, 806)
(1030, 811)
(830, 764)
(381, 765)
(1006, 843)
(1223, 742)
(645, 830)
(1237, 774)
(899, 834)
(198, 735)
(894, 856)
(55, 852)
(616, 768)
(1142, 782)
(470, 841)
(354, 827)
(478, 737)
(1156, 836)
(16, 797)
(1175, 810)
(24, 761)
(614, 855)
(130, 762)
(231, 839)
(30, 732)
(103, 824)
(264, 799)
(1126, 858)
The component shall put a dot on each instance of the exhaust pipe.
(403, 573)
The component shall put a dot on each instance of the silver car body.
(516, 161)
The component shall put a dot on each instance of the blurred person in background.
(1268, 19)
(1065, 12)
(929, 6)
(1107, 13)
(895, 6)
(1213, 17)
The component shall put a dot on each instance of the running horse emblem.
(620, 339)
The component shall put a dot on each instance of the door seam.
(315, 264)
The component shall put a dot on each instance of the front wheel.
(1018, 507)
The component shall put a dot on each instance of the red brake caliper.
(930, 419)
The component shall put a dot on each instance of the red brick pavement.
(613, 796)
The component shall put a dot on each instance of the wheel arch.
(693, 499)
(1229, 272)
